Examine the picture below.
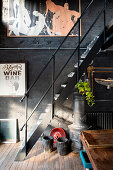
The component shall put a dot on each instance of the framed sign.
(9, 132)
(12, 79)
(43, 17)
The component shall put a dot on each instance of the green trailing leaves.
(84, 88)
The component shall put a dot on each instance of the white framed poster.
(12, 79)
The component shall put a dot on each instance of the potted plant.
(82, 93)
(84, 89)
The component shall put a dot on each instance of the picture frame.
(9, 132)
(12, 79)
(42, 18)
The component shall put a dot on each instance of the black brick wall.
(36, 59)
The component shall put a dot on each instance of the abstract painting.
(43, 17)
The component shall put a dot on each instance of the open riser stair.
(66, 88)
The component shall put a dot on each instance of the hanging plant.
(84, 88)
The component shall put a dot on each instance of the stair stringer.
(39, 129)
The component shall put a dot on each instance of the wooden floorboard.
(5, 153)
(37, 159)
(9, 159)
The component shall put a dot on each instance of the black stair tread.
(109, 36)
(66, 91)
(92, 54)
(83, 68)
(67, 82)
(109, 28)
(108, 43)
(64, 81)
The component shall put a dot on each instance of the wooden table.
(99, 147)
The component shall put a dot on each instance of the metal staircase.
(85, 60)
(79, 68)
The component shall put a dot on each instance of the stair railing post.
(53, 87)
(26, 108)
(78, 59)
(104, 20)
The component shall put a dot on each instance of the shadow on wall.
(11, 107)
(36, 59)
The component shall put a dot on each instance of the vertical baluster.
(53, 79)
(104, 20)
(26, 107)
(78, 51)
(26, 110)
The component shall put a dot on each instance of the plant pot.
(62, 146)
(47, 142)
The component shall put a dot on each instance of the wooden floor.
(37, 159)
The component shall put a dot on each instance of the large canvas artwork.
(43, 17)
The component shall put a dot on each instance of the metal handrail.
(26, 93)
(63, 67)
